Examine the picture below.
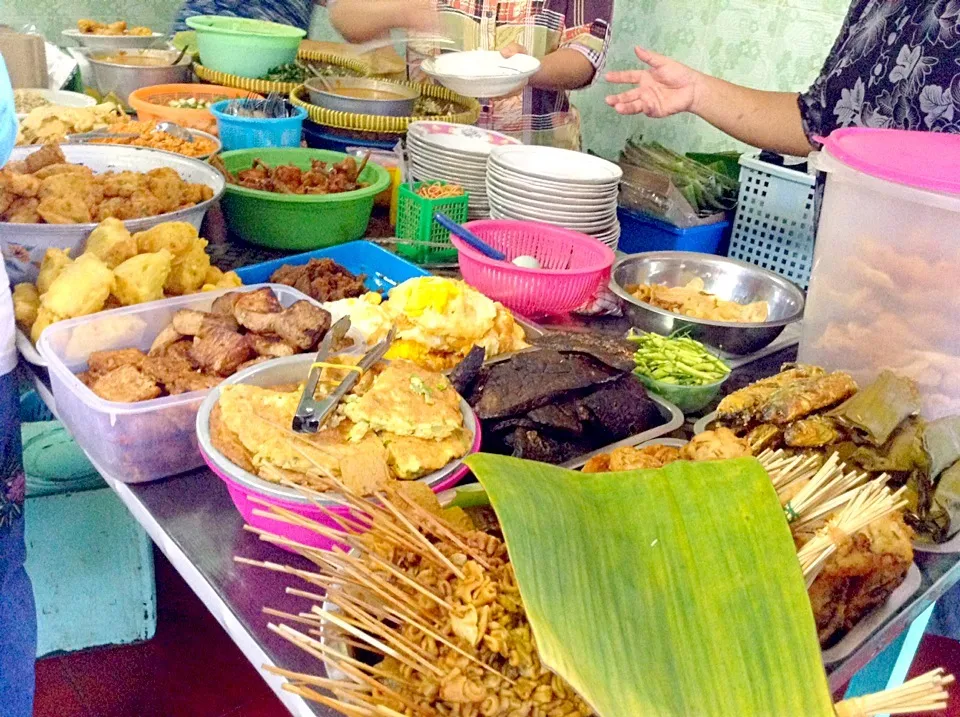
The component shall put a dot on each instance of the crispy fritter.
(47, 155)
(64, 210)
(716, 445)
(628, 458)
(103, 362)
(22, 210)
(125, 384)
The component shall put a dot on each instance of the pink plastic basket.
(240, 495)
(573, 265)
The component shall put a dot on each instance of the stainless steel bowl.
(727, 278)
(122, 79)
(401, 105)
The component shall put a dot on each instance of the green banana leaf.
(662, 593)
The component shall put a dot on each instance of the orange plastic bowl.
(150, 103)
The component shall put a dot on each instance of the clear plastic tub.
(885, 287)
(133, 442)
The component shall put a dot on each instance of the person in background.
(893, 66)
(18, 618)
(569, 37)
(286, 12)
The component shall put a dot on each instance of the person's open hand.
(514, 48)
(667, 88)
(421, 16)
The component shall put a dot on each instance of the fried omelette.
(400, 421)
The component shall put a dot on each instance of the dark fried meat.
(165, 339)
(223, 305)
(321, 279)
(261, 301)
(189, 322)
(220, 351)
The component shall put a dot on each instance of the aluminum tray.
(875, 618)
(672, 416)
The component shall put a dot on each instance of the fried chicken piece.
(180, 348)
(165, 185)
(47, 155)
(862, 574)
(220, 351)
(53, 170)
(261, 301)
(302, 325)
(65, 209)
(119, 184)
(127, 385)
(22, 211)
(100, 363)
(270, 346)
(21, 185)
(715, 445)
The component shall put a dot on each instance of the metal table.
(195, 524)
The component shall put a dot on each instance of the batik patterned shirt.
(286, 12)
(534, 116)
(896, 64)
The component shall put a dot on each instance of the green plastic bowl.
(688, 399)
(244, 47)
(299, 222)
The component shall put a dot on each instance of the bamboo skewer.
(871, 502)
(925, 693)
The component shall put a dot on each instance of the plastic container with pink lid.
(245, 488)
(885, 286)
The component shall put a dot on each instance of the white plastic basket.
(774, 227)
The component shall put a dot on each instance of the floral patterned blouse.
(895, 65)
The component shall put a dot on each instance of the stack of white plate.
(455, 153)
(570, 189)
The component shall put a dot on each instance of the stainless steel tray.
(672, 416)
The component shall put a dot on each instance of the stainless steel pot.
(111, 75)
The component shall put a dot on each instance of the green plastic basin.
(244, 47)
(299, 222)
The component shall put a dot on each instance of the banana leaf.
(662, 593)
(942, 443)
(874, 412)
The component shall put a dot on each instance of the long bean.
(677, 360)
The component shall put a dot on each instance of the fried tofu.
(220, 351)
(126, 385)
(103, 362)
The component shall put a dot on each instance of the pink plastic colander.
(573, 266)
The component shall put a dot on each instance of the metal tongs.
(311, 413)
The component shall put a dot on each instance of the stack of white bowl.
(455, 153)
(570, 189)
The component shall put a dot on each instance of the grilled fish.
(802, 397)
(743, 406)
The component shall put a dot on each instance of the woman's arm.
(562, 69)
(769, 120)
(363, 20)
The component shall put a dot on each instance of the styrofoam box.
(133, 442)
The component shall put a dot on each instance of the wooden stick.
(925, 693)
(430, 546)
(442, 530)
